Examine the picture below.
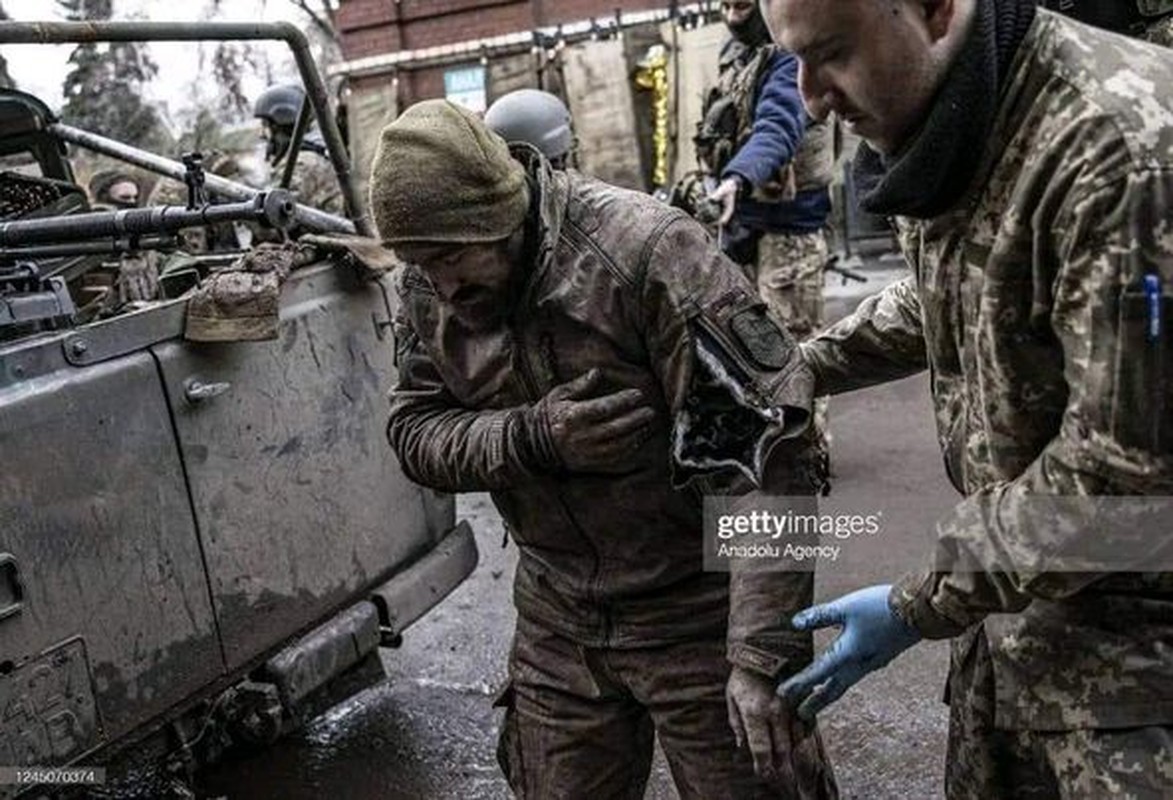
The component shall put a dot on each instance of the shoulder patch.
(761, 337)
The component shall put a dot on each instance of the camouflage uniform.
(790, 278)
(1025, 305)
(314, 182)
(1161, 32)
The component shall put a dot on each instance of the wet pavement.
(429, 731)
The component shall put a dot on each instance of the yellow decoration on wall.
(653, 75)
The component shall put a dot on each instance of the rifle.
(846, 274)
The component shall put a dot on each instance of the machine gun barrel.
(273, 208)
(308, 217)
(128, 244)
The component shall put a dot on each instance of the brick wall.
(374, 27)
(462, 26)
(562, 11)
(414, 24)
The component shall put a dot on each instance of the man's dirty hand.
(762, 722)
(592, 432)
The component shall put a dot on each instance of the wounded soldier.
(586, 355)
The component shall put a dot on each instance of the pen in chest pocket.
(1152, 293)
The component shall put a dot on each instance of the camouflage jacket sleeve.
(740, 395)
(882, 341)
(442, 444)
(315, 184)
(1063, 523)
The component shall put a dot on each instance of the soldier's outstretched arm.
(778, 126)
(1093, 502)
(882, 341)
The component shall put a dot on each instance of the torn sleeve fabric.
(731, 372)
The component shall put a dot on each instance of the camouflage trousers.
(986, 763)
(789, 277)
(580, 723)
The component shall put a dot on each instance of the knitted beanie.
(440, 175)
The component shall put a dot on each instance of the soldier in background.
(314, 182)
(537, 118)
(1028, 160)
(113, 189)
(769, 165)
(137, 278)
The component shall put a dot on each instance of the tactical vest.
(1135, 17)
(727, 121)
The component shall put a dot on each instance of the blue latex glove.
(872, 636)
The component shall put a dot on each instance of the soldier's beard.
(753, 31)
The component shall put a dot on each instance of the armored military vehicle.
(199, 540)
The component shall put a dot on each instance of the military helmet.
(534, 117)
(280, 105)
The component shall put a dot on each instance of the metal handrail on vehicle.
(106, 31)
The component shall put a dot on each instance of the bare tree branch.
(323, 14)
(6, 80)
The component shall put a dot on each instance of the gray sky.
(182, 83)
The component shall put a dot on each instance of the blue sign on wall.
(466, 87)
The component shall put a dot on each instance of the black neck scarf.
(928, 176)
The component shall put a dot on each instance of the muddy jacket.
(625, 284)
(754, 126)
(1027, 305)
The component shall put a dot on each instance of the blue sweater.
(779, 123)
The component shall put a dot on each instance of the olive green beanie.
(440, 175)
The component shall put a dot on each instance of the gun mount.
(30, 303)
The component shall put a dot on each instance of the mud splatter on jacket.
(636, 289)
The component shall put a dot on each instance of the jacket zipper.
(530, 382)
